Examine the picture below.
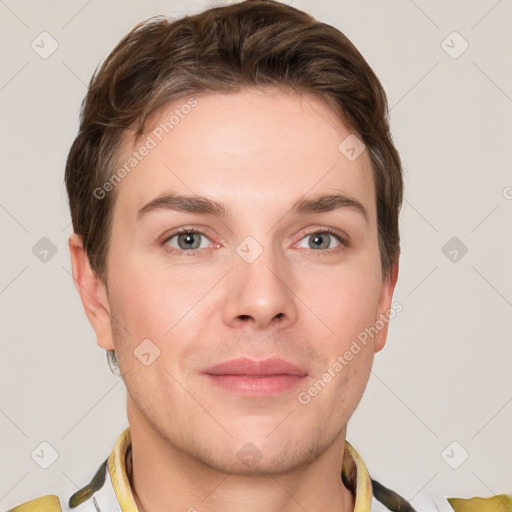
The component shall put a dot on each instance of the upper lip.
(246, 366)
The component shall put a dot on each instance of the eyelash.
(191, 252)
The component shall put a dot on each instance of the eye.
(190, 241)
(322, 240)
(187, 241)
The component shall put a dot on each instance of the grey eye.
(320, 240)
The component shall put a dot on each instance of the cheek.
(150, 302)
(345, 299)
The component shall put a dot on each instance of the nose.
(260, 293)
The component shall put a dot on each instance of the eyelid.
(184, 229)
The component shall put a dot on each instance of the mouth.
(256, 378)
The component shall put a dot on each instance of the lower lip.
(257, 386)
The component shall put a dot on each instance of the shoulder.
(385, 499)
(429, 502)
(49, 503)
(497, 503)
(81, 501)
(101, 493)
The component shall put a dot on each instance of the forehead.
(252, 149)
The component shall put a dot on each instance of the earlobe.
(385, 303)
(92, 293)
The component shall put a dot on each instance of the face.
(263, 277)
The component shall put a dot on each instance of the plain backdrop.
(437, 413)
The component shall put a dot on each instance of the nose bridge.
(259, 285)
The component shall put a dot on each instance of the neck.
(194, 487)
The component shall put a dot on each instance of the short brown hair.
(253, 43)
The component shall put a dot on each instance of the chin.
(262, 453)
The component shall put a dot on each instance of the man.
(235, 193)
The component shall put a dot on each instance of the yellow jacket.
(110, 491)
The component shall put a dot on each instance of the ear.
(93, 293)
(385, 301)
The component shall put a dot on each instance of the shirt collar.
(353, 473)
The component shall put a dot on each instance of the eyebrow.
(205, 205)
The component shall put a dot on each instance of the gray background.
(445, 374)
